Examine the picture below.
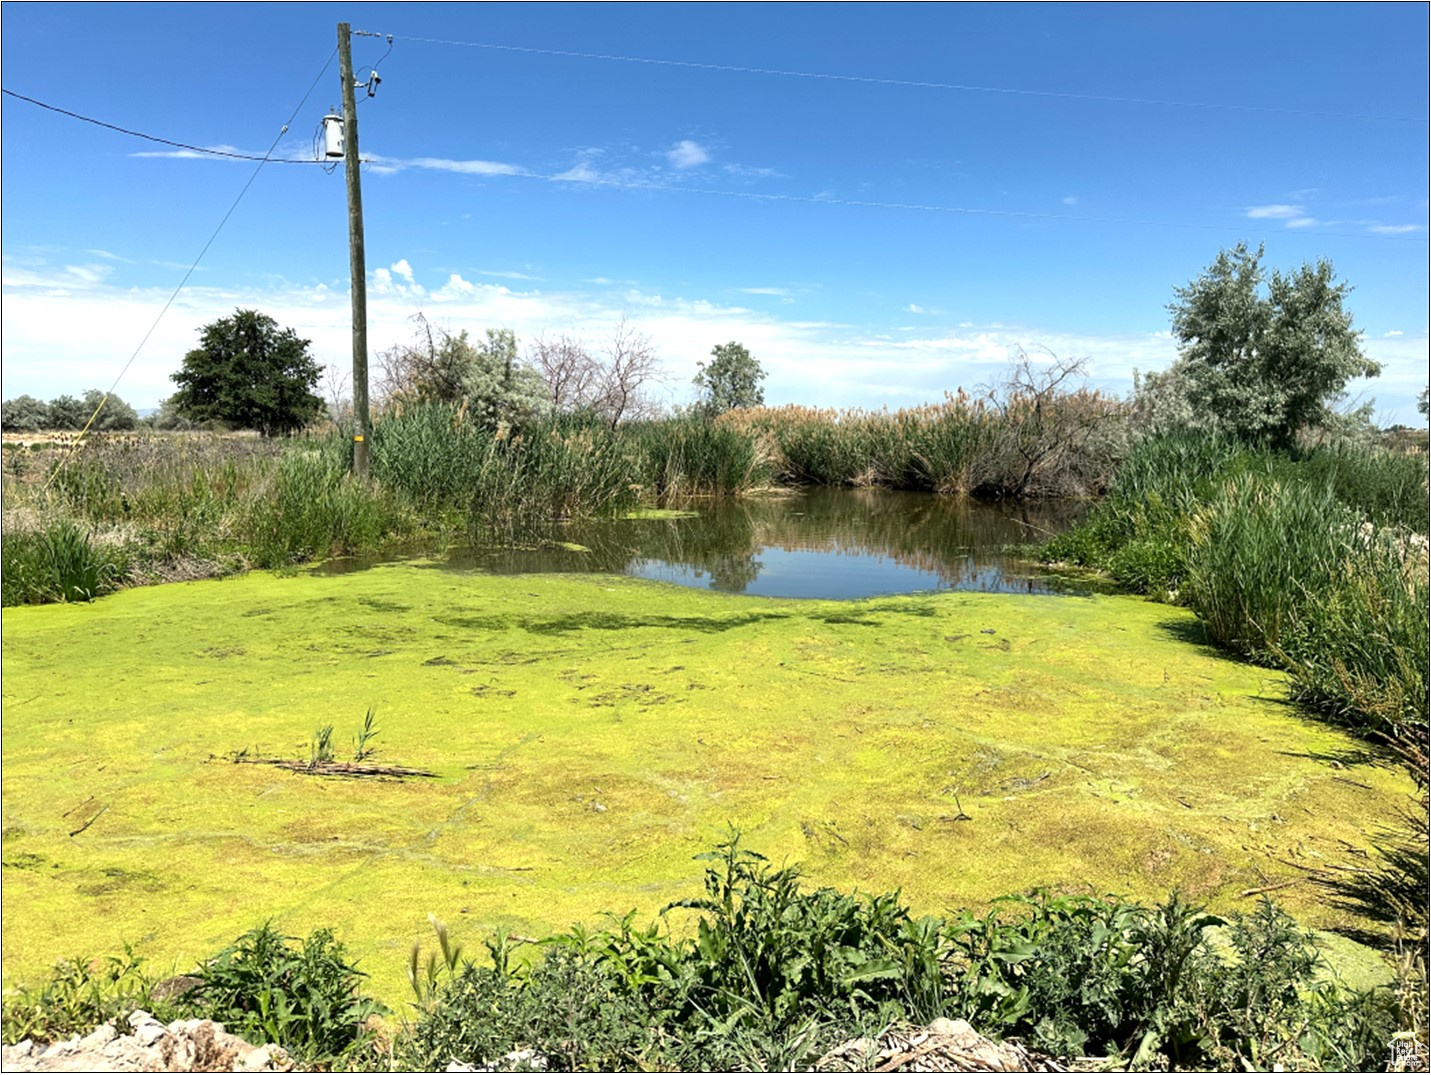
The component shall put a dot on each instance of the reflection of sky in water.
(838, 544)
(843, 574)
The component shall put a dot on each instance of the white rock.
(99, 1037)
(258, 1060)
(150, 1032)
(139, 1017)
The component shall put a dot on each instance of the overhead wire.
(330, 166)
(956, 210)
(960, 87)
(262, 161)
(230, 154)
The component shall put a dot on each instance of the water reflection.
(828, 543)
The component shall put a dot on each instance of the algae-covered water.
(591, 733)
(839, 544)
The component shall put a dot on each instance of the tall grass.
(1009, 445)
(1316, 564)
(690, 456)
(60, 562)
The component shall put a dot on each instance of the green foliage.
(493, 384)
(249, 374)
(115, 416)
(61, 562)
(730, 380)
(1258, 366)
(1316, 564)
(24, 414)
(314, 508)
(688, 456)
(304, 998)
(79, 995)
(66, 412)
(776, 973)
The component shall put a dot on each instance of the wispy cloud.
(1392, 333)
(779, 292)
(1275, 212)
(1070, 200)
(745, 171)
(192, 155)
(391, 165)
(1292, 216)
(687, 154)
(507, 274)
(1394, 229)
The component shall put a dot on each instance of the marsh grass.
(60, 562)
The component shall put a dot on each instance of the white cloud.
(816, 362)
(778, 292)
(1301, 222)
(1394, 229)
(88, 274)
(507, 274)
(458, 288)
(745, 171)
(915, 308)
(192, 155)
(1393, 332)
(1070, 200)
(687, 154)
(390, 165)
(1275, 212)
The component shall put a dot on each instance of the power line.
(261, 162)
(913, 83)
(709, 192)
(233, 155)
(952, 210)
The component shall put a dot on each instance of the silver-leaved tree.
(1260, 356)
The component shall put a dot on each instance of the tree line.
(1261, 356)
(249, 373)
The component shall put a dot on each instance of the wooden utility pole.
(357, 263)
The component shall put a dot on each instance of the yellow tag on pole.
(357, 436)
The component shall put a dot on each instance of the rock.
(99, 1037)
(184, 1045)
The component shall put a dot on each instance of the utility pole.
(357, 263)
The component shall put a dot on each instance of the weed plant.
(61, 562)
(775, 974)
(79, 995)
(305, 998)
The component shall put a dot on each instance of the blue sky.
(979, 179)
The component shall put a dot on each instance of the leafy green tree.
(730, 380)
(249, 373)
(1421, 404)
(1260, 356)
(24, 414)
(66, 412)
(115, 417)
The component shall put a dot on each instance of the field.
(589, 735)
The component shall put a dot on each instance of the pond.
(841, 544)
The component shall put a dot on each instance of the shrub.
(79, 995)
(304, 998)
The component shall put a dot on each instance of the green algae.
(591, 734)
(660, 513)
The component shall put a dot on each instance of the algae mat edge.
(591, 735)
